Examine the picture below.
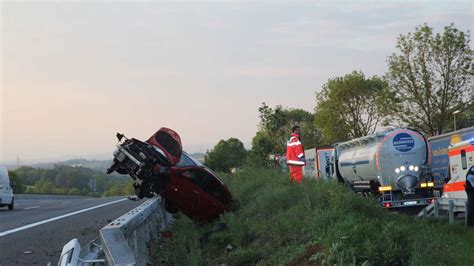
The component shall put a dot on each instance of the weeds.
(316, 222)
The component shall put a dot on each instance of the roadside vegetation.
(69, 180)
(314, 223)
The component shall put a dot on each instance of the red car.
(159, 166)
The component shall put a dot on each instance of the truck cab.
(6, 192)
(461, 158)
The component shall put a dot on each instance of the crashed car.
(159, 166)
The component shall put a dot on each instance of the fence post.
(436, 209)
(466, 213)
(165, 217)
(451, 211)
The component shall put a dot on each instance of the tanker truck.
(394, 165)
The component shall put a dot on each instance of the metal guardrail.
(124, 241)
(451, 206)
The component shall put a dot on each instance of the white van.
(6, 191)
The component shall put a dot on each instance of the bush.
(19, 187)
(124, 189)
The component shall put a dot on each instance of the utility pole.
(454, 115)
(92, 184)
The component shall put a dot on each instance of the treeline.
(70, 180)
(428, 79)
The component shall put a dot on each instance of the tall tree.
(276, 124)
(262, 146)
(347, 107)
(465, 118)
(429, 78)
(227, 154)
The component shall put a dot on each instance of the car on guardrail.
(159, 166)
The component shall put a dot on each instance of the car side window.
(206, 182)
(195, 176)
(213, 187)
(185, 161)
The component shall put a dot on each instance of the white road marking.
(4, 233)
(29, 208)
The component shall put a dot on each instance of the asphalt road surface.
(35, 232)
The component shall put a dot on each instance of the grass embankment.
(316, 222)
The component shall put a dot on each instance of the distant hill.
(97, 165)
(198, 156)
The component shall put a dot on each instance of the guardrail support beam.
(451, 211)
(436, 209)
(466, 213)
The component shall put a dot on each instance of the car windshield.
(187, 161)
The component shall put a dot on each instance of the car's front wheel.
(10, 206)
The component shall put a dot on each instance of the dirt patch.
(304, 259)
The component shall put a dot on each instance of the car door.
(192, 193)
(182, 194)
(195, 190)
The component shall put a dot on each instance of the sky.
(73, 73)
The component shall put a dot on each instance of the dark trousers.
(470, 208)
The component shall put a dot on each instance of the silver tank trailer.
(394, 157)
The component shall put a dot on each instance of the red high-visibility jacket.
(294, 151)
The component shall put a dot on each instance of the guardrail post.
(451, 211)
(141, 237)
(166, 217)
(436, 209)
(125, 240)
(466, 213)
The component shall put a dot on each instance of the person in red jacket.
(295, 155)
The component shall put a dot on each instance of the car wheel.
(10, 206)
(170, 207)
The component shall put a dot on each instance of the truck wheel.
(10, 206)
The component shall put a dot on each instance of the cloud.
(366, 27)
(264, 71)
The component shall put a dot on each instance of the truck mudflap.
(406, 203)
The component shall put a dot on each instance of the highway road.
(35, 232)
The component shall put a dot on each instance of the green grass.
(321, 222)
